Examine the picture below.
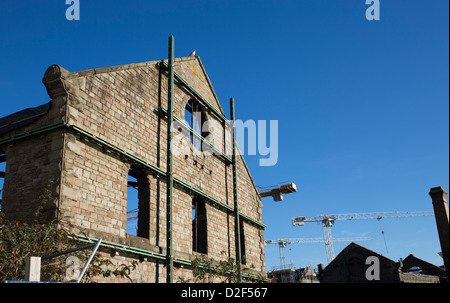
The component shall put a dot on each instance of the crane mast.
(328, 222)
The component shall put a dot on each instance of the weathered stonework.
(118, 110)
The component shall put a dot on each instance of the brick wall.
(30, 166)
(121, 105)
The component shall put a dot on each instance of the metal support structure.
(281, 246)
(277, 191)
(237, 225)
(328, 221)
(154, 255)
(326, 226)
(169, 172)
(282, 243)
(91, 256)
(69, 251)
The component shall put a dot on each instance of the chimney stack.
(440, 205)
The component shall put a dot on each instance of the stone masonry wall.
(30, 166)
(122, 106)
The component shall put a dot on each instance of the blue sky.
(362, 106)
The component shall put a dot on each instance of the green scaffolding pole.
(169, 173)
(237, 225)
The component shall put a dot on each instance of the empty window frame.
(199, 226)
(2, 175)
(242, 239)
(195, 118)
(138, 203)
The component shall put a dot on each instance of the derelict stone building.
(104, 134)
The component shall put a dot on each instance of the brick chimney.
(440, 205)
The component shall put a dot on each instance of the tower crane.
(283, 242)
(277, 191)
(328, 222)
(132, 214)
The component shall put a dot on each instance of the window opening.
(195, 118)
(2, 176)
(199, 226)
(138, 203)
(242, 239)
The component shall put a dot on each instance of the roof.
(412, 260)
(355, 245)
(22, 118)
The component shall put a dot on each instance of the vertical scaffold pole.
(237, 225)
(169, 198)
